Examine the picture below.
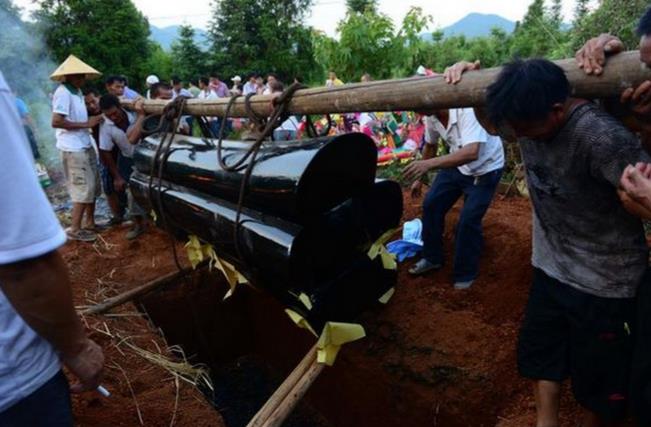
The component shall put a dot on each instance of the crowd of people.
(588, 317)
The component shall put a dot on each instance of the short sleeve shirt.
(111, 135)
(463, 129)
(582, 235)
(28, 229)
(72, 106)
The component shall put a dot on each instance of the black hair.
(108, 101)
(124, 79)
(154, 90)
(274, 75)
(175, 80)
(112, 79)
(91, 91)
(215, 76)
(644, 26)
(276, 86)
(205, 80)
(526, 91)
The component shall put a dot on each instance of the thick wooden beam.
(622, 71)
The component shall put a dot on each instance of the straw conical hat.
(74, 65)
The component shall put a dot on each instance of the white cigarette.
(104, 392)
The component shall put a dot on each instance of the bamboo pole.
(278, 398)
(419, 93)
(138, 291)
(283, 410)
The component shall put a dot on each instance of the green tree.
(539, 33)
(188, 60)
(262, 36)
(410, 43)
(361, 6)
(110, 35)
(619, 18)
(159, 62)
(580, 11)
(366, 45)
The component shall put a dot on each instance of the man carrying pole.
(636, 182)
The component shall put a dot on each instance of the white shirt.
(28, 229)
(292, 123)
(249, 88)
(207, 94)
(182, 92)
(73, 107)
(111, 135)
(463, 129)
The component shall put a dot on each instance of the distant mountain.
(166, 35)
(476, 25)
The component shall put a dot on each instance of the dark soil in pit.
(433, 356)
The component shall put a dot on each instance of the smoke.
(26, 65)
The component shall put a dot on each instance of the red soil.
(102, 271)
(433, 356)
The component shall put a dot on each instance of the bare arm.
(465, 155)
(469, 153)
(59, 122)
(134, 134)
(39, 290)
(107, 158)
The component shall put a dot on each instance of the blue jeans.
(448, 187)
(49, 406)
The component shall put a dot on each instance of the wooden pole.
(419, 93)
(136, 292)
(281, 404)
(295, 395)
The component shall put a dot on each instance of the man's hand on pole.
(592, 56)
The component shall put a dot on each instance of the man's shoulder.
(592, 124)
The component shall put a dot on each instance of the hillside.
(475, 25)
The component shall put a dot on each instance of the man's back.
(582, 235)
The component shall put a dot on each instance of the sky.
(326, 13)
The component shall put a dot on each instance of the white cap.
(236, 79)
(152, 80)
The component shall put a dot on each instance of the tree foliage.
(188, 60)
(612, 16)
(369, 43)
(110, 35)
(361, 6)
(262, 36)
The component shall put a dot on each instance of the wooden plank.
(623, 71)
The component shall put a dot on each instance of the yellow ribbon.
(305, 300)
(300, 321)
(384, 299)
(379, 249)
(335, 335)
(197, 252)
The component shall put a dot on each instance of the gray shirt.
(582, 235)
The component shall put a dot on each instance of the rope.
(264, 128)
(173, 112)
